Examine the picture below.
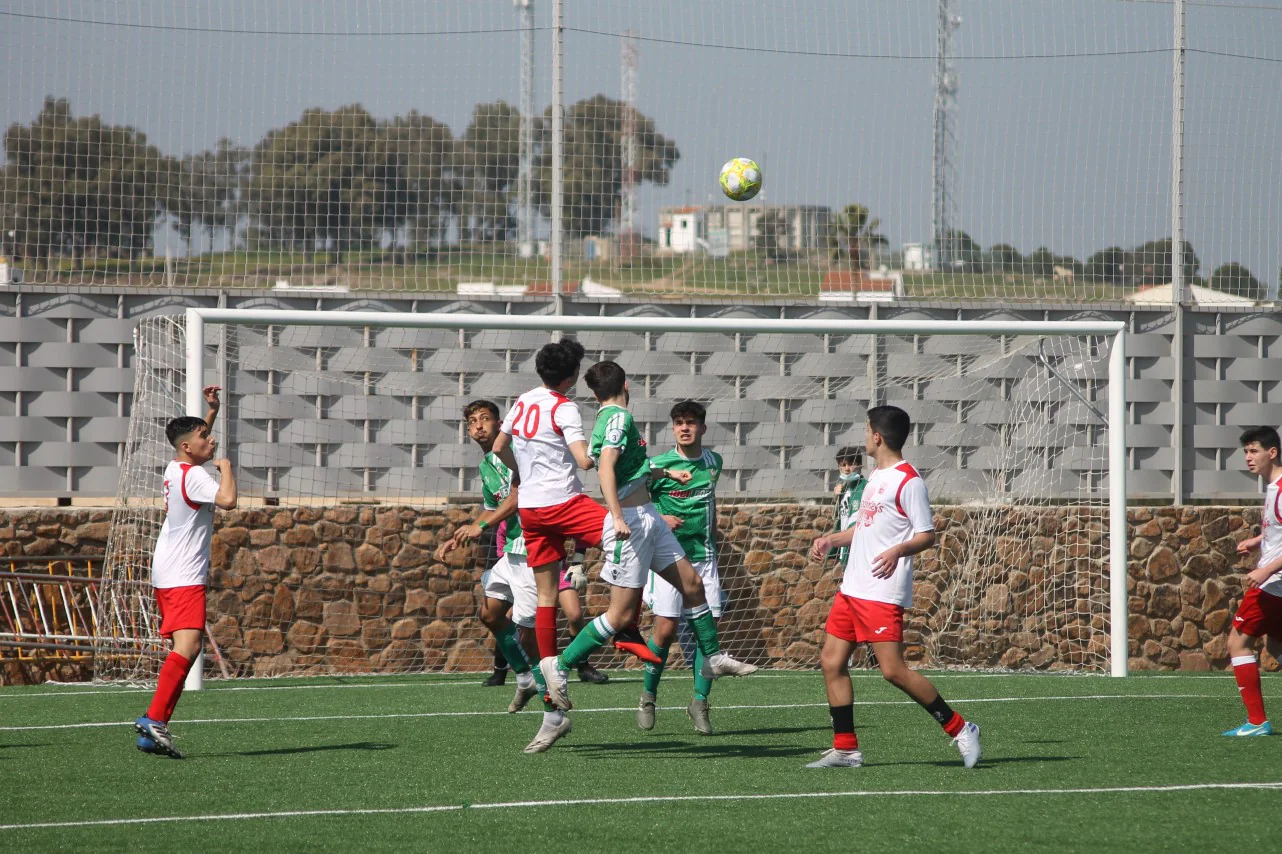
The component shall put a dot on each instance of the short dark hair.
(892, 423)
(182, 427)
(689, 409)
(1266, 436)
(606, 379)
(477, 405)
(850, 454)
(557, 362)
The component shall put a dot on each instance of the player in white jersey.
(1260, 614)
(893, 524)
(180, 564)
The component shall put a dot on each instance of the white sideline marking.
(643, 799)
(719, 708)
(616, 677)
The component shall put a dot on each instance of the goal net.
(347, 437)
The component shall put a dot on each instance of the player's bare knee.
(894, 672)
(665, 631)
(1240, 644)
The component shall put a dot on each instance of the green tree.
(322, 182)
(1004, 258)
(958, 251)
(854, 236)
(1234, 278)
(1108, 266)
(593, 171)
(487, 164)
(202, 191)
(76, 187)
(419, 179)
(1040, 263)
(1150, 263)
(771, 235)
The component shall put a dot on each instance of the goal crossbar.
(197, 318)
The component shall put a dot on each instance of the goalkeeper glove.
(577, 577)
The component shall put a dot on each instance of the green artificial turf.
(398, 743)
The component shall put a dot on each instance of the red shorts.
(181, 608)
(1259, 614)
(865, 621)
(547, 528)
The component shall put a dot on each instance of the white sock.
(525, 680)
(553, 718)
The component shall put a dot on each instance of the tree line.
(334, 180)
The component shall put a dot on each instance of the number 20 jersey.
(543, 424)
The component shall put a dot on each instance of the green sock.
(594, 636)
(702, 684)
(654, 671)
(512, 649)
(705, 631)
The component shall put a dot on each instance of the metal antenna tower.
(943, 173)
(524, 194)
(628, 69)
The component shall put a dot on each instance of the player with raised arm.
(690, 510)
(1260, 614)
(508, 585)
(180, 564)
(635, 540)
(894, 523)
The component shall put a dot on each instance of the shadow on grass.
(986, 762)
(709, 749)
(319, 748)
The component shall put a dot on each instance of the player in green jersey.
(635, 540)
(690, 509)
(849, 491)
(509, 583)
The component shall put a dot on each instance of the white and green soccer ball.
(741, 179)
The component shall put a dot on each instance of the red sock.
(845, 741)
(954, 725)
(169, 687)
(545, 629)
(1246, 670)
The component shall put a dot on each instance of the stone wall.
(355, 588)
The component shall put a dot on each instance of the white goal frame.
(198, 318)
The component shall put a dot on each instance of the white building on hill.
(719, 229)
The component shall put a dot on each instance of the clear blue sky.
(1064, 107)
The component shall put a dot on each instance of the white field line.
(646, 799)
(615, 678)
(719, 708)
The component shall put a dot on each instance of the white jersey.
(894, 508)
(181, 558)
(543, 424)
(1271, 536)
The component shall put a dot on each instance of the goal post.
(1028, 572)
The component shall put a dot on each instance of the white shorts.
(512, 580)
(652, 546)
(666, 601)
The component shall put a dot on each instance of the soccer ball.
(741, 179)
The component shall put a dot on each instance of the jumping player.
(180, 564)
(1260, 614)
(690, 510)
(894, 523)
(635, 540)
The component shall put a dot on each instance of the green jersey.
(694, 503)
(496, 485)
(852, 492)
(616, 429)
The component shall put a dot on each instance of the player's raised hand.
(885, 564)
(621, 529)
(673, 521)
(819, 549)
(211, 396)
(681, 476)
(223, 466)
